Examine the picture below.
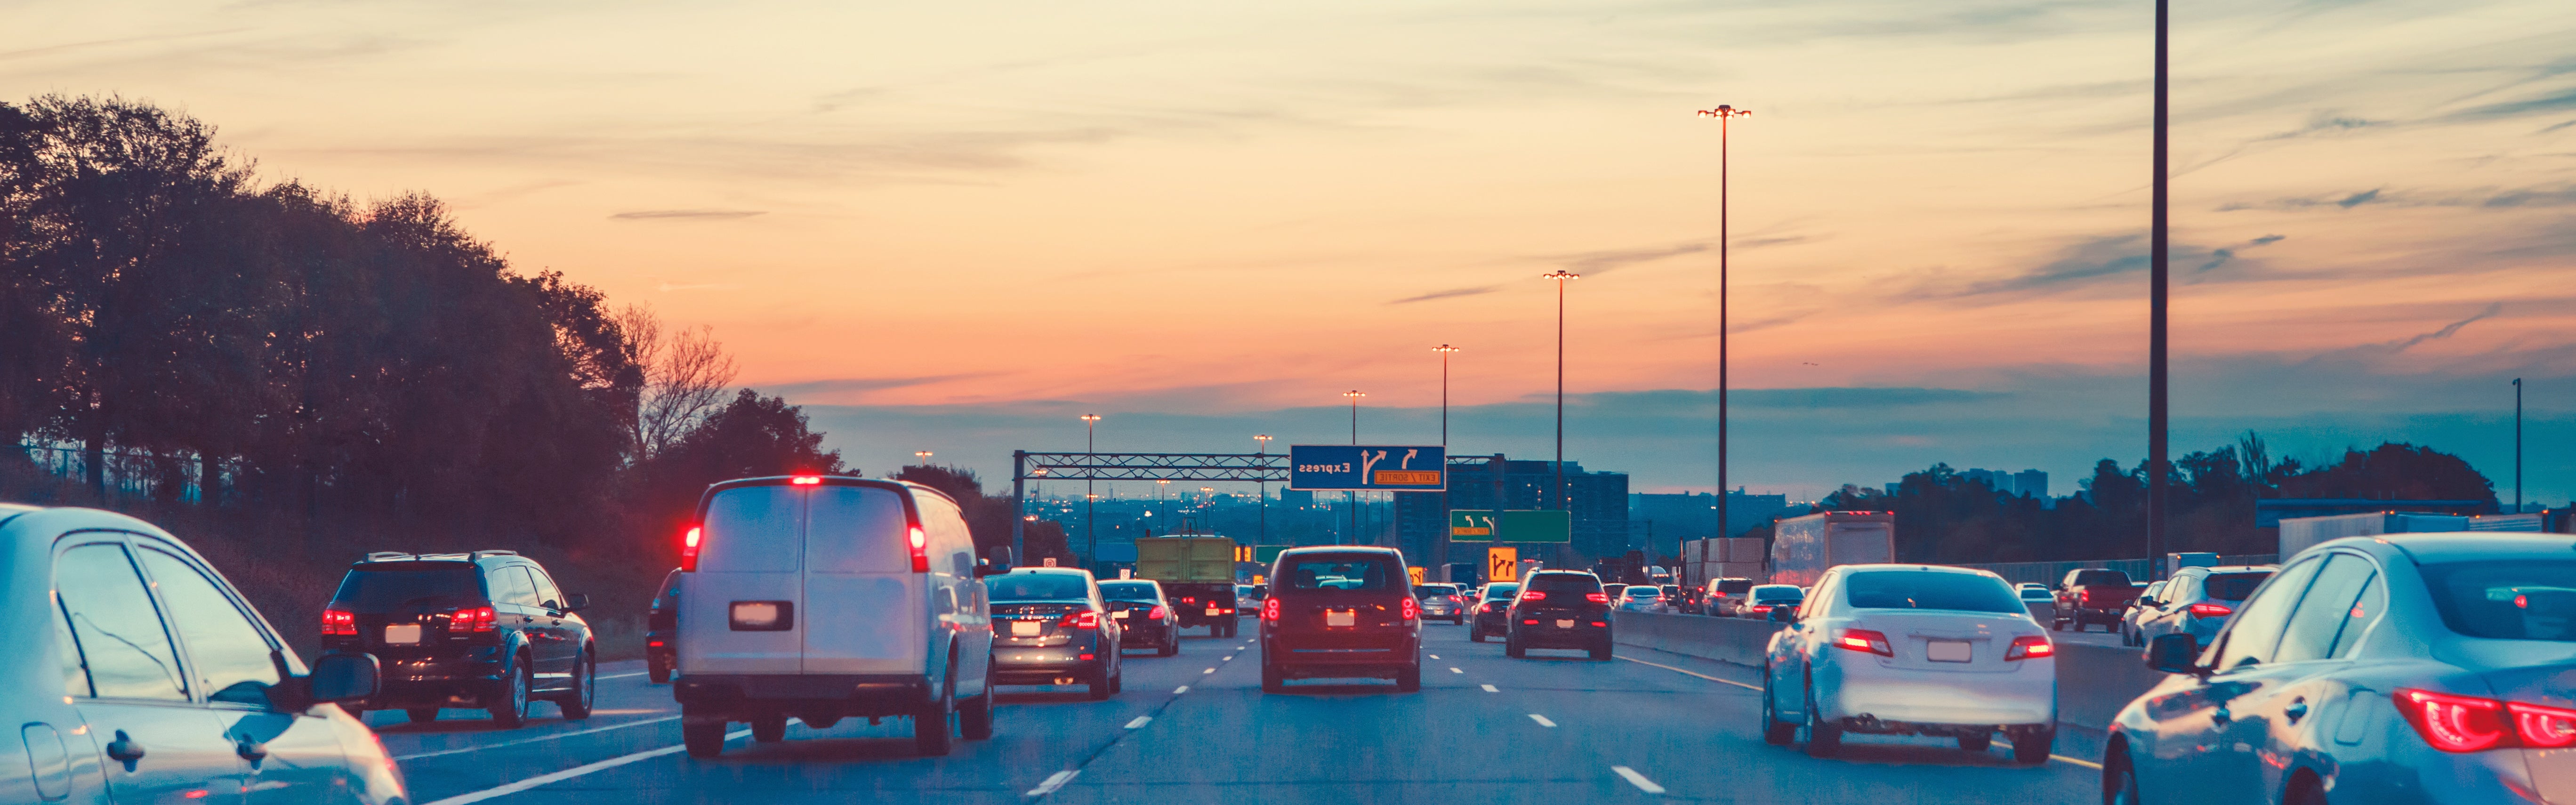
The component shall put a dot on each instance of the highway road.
(1196, 728)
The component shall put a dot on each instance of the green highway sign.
(1267, 554)
(1513, 525)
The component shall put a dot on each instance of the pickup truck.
(2092, 595)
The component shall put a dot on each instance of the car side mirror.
(343, 677)
(2174, 654)
(576, 602)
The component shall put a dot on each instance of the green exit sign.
(1511, 525)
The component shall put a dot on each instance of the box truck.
(1197, 574)
(1802, 548)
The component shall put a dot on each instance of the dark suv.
(1559, 609)
(485, 630)
(662, 629)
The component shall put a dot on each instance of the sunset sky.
(954, 226)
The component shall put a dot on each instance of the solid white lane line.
(619, 676)
(1053, 782)
(536, 739)
(1435, 656)
(1140, 722)
(1692, 673)
(1208, 671)
(1180, 690)
(1638, 780)
(1454, 669)
(1228, 658)
(576, 771)
(1490, 689)
(2077, 761)
(1542, 720)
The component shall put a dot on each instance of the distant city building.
(1694, 515)
(1598, 501)
(2026, 483)
(2031, 483)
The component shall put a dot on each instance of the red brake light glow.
(1868, 640)
(1270, 609)
(689, 549)
(2543, 727)
(470, 619)
(1156, 614)
(1412, 609)
(1533, 595)
(1085, 619)
(2455, 723)
(806, 480)
(2211, 610)
(2029, 646)
(1761, 609)
(920, 551)
(336, 622)
(1597, 598)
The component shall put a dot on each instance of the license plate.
(1564, 624)
(1216, 610)
(403, 634)
(1120, 614)
(1347, 617)
(1025, 628)
(1947, 651)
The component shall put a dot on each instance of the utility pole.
(1090, 455)
(1725, 115)
(1351, 500)
(2517, 445)
(2158, 475)
(1561, 276)
(1440, 541)
(1264, 440)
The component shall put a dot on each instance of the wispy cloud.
(2492, 198)
(846, 385)
(1448, 294)
(1608, 260)
(701, 215)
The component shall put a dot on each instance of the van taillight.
(336, 622)
(1270, 609)
(1412, 609)
(920, 551)
(689, 549)
(1085, 619)
(470, 619)
(806, 480)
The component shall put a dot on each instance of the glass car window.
(546, 590)
(1919, 589)
(1128, 590)
(228, 655)
(2321, 613)
(1497, 592)
(2233, 586)
(383, 586)
(1342, 573)
(2373, 600)
(2256, 631)
(1038, 587)
(122, 643)
(1566, 583)
(2523, 599)
(510, 585)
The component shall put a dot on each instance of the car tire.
(1118, 680)
(1099, 685)
(2057, 624)
(1976, 743)
(975, 716)
(2119, 778)
(1512, 648)
(512, 710)
(421, 715)
(659, 673)
(1602, 650)
(703, 738)
(769, 729)
(1171, 645)
(1823, 740)
(1476, 633)
(1774, 731)
(1273, 680)
(2031, 748)
(1409, 679)
(931, 733)
(576, 703)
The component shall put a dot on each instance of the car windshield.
(1642, 592)
(1328, 572)
(2090, 578)
(2520, 599)
(1734, 586)
(2034, 594)
(1429, 590)
(2233, 586)
(1128, 590)
(1037, 587)
(390, 585)
(1565, 583)
(1927, 589)
(1500, 591)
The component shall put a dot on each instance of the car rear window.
(750, 529)
(1496, 592)
(2101, 577)
(2511, 600)
(2035, 594)
(385, 586)
(1734, 587)
(1922, 589)
(1127, 590)
(1565, 583)
(1037, 587)
(1426, 590)
(1641, 592)
(1354, 572)
(2233, 586)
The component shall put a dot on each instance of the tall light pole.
(1351, 500)
(1561, 276)
(1090, 452)
(922, 456)
(1440, 540)
(2517, 445)
(1264, 440)
(1725, 117)
(2157, 475)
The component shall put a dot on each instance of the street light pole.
(2517, 445)
(2157, 474)
(1351, 500)
(1560, 275)
(922, 456)
(1264, 439)
(1440, 540)
(1725, 116)
(1090, 452)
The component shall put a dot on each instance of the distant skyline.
(944, 226)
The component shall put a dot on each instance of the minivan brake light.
(920, 551)
(689, 549)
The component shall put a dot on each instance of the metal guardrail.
(2052, 572)
(126, 473)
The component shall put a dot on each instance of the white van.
(821, 597)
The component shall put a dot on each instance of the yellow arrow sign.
(1502, 564)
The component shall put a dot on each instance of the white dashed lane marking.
(1208, 671)
(1490, 689)
(1638, 780)
(1140, 722)
(1542, 720)
(1053, 782)
(1454, 669)
(1180, 690)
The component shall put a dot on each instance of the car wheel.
(769, 729)
(1118, 679)
(2031, 748)
(1774, 731)
(2305, 791)
(576, 704)
(1601, 651)
(1476, 633)
(1512, 648)
(1409, 679)
(975, 716)
(512, 710)
(1099, 685)
(659, 673)
(1823, 739)
(1976, 743)
(2057, 624)
(1272, 679)
(2119, 779)
(1171, 645)
(703, 738)
(421, 715)
(930, 730)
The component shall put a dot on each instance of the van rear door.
(865, 608)
(751, 550)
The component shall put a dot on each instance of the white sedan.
(1911, 650)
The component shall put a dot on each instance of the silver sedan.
(2414, 668)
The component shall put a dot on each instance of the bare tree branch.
(685, 377)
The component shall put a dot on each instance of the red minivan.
(1340, 611)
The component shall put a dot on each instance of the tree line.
(1944, 517)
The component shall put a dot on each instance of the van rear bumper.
(818, 694)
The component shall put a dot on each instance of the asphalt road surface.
(1196, 728)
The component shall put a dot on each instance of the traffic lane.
(625, 699)
(2092, 637)
(1037, 731)
(1362, 742)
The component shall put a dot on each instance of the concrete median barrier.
(2093, 682)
